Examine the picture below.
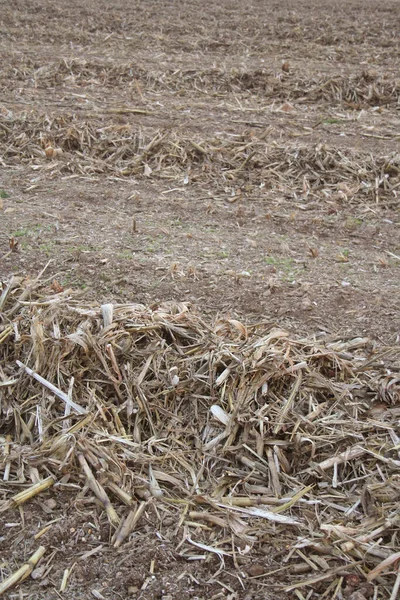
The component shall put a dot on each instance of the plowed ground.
(243, 157)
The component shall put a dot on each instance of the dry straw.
(242, 435)
(72, 143)
(368, 88)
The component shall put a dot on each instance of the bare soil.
(243, 157)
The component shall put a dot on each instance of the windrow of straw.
(368, 88)
(244, 435)
(87, 146)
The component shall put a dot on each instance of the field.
(242, 158)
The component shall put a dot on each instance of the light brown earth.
(240, 156)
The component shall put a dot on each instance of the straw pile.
(367, 88)
(90, 145)
(243, 434)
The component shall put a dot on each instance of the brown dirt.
(290, 214)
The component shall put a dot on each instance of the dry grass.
(244, 434)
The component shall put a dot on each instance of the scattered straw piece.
(23, 572)
(99, 491)
(64, 397)
(390, 560)
(28, 494)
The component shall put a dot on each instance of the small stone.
(37, 573)
(255, 570)
(357, 596)
(367, 589)
(51, 503)
(306, 304)
(370, 74)
(98, 595)
(287, 107)
(133, 589)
